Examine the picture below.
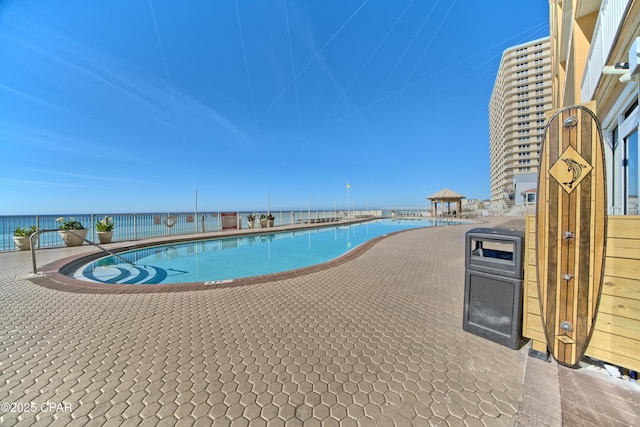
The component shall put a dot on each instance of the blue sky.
(130, 105)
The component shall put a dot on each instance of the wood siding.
(616, 339)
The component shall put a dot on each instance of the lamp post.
(348, 211)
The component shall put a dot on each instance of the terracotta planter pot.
(73, 237)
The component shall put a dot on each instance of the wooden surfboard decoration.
(571, 231)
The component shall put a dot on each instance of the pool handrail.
(37, 234)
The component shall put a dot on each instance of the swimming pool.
(225, 259)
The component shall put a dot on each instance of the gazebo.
(446, 196)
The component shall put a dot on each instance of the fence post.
(38, 227)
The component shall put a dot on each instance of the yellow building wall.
(616, 339)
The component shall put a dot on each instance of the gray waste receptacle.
(493, 285)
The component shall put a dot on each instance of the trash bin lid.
(497, 231)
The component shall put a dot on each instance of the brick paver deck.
(373, 341)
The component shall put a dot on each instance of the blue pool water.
(244, 256)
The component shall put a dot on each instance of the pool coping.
(53, 275)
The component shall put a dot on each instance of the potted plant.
(104, 229)
(263, 220)
(251, 220)
(271, 220)
(72, 232)
(22, 237)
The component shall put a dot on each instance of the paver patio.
(374, 341)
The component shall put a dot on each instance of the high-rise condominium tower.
(521, 95)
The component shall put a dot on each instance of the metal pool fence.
(136, 226)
